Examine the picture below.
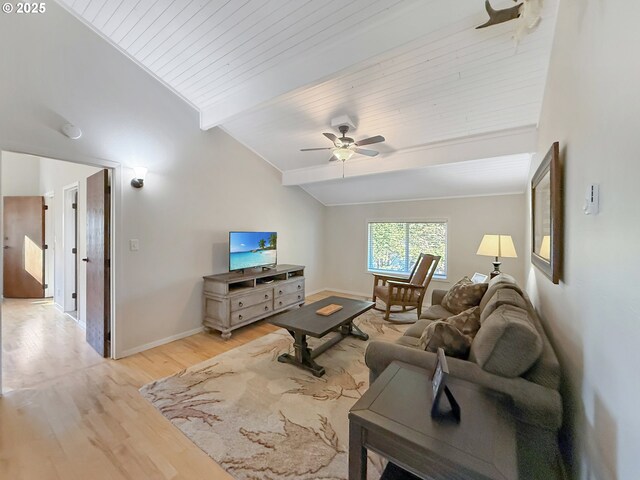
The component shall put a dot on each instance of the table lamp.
(497, 246)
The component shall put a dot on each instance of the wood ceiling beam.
(498, 144)
(403, 25)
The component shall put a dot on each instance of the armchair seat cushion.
(382, 292)
(436, 312)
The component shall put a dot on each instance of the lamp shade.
(139, 173)
(497, 246)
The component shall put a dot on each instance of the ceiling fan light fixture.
(343, 154)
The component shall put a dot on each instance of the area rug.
(261, 419)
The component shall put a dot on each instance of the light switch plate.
(134, 244)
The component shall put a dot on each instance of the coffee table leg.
(302, 356)
(354, 331)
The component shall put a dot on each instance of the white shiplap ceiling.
(273, 74)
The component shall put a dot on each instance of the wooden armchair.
(402, 292)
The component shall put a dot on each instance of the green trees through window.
(395, 246)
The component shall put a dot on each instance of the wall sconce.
(138, 177)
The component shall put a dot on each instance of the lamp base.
(496, 269)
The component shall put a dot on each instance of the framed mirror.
(546, 215)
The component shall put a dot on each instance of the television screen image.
(252, 249)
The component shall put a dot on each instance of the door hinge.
(73, 295)
(45, 246)
(74, 250)
(74, 205)
(46, 207)
(107, 262)
(46, 285)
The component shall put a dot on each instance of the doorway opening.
(70, 250)
(65, 321)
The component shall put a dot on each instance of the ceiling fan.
(344, 147)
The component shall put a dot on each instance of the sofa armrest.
(437, 295)
(534, 404)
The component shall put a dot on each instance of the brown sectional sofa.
(504, 310)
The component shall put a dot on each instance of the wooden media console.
(235, 299)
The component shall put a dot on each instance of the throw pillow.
(468, 322)
(464, 295)
(443, 334)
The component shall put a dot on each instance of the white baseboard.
(346, 292)
(157, 343)
(58, 307)
(173, 338)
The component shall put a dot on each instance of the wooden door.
(98, 263)
(23, 247)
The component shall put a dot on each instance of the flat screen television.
(252, 249)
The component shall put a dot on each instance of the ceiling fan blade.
(370, 140)
(312, 149)
(368, 153)
(333, 158)
(330, 136)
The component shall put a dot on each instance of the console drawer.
(251, 312)
(288, 288)
(286, 300)
(246, 301)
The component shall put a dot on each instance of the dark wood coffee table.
(305, 321)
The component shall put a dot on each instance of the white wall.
(20, 175)
(592, 106)
(468, 220)
(200, 184)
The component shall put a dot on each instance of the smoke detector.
(72, 131)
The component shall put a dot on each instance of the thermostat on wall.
(592, 200)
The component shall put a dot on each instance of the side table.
(393, 419)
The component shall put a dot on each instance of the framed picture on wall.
(546, 215)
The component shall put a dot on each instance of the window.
(395, 246)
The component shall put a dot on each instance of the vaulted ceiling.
(274, 73)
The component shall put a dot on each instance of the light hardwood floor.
(74, 415)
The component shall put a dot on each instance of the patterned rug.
(261, 419)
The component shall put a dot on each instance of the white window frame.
(407, 221)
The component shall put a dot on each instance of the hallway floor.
(71, 414)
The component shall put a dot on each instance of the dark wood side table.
(393, 419)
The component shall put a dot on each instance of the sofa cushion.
(417, 328)
(464, 295)
(440, 334)
(435, 312)
(498, 282)
(409, 341)
(507, 343)
(468, 322)
(503, 296)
